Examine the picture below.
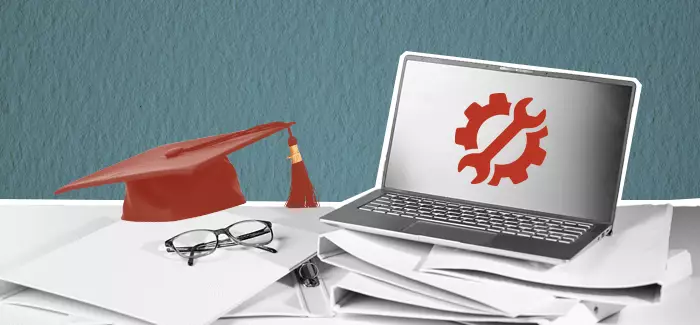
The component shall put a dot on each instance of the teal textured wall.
(85, 84)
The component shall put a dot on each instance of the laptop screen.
(567, 162)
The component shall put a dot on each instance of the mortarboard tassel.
(301, 193)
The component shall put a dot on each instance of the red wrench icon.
(516, 170)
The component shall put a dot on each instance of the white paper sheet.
(337, 320)
(21, 315)
(635, 255)
(403, 257)
(287, 297)
(124, 268)
(282, 298)
(355, 265)
(366, 286)
(678, 268)
(625, 296)
(34, 231)
(364, 305)
(46, 301)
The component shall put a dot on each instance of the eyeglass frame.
(231, 241)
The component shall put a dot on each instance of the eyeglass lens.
(195, 243)
(251, 232)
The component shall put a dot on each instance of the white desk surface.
(678, 305)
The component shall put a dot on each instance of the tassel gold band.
(294, 154)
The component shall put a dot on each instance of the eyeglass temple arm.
(254, 234)
(190, 261)
(226, 242)
(229, 243)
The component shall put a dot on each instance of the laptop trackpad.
(451, 233)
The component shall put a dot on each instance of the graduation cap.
(192, 178)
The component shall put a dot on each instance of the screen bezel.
(518, 69)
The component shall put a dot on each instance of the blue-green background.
(85, 84)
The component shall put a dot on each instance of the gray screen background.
(586, 122)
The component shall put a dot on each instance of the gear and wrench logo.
(482, 161)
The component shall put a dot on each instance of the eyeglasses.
(198, 243)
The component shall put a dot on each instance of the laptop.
(506, 159)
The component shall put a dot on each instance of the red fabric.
(301, 194)
(213, 187)
(185, 179)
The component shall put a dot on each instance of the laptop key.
(581, 230)
(560, 234)
(474, 227)
(393, 213)
(574, 232)
(366, 209)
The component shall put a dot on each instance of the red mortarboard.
(192, 178)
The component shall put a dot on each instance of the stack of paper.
(100, 268)
(399, 278)
(284, 298)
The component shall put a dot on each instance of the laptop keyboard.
(478, 218)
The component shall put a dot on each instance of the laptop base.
(351, 217)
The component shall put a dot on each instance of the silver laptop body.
(520, 161)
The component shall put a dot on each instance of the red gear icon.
(516, 170)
